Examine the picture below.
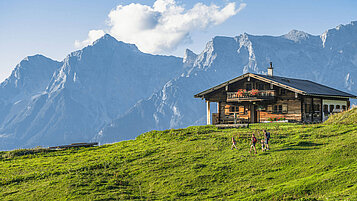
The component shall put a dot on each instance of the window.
(337, 106)
(325, 108)
(344, 107)
(261, 86)
(331, 108)
(241, 110)
(237, 109)
(317, 108)
(248, 86)
(282, 91)
(280, 109)
(308, 108)
(275, 109)
(285, 108)
(233, 109)
(227, 108)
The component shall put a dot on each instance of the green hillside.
(306, 162)
(348, 117)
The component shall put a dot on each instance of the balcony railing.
(250, 95)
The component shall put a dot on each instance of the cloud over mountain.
(163, 26)
(93, 35)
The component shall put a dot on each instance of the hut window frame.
(240, 108)
(261, 86)
(332, 107)
(317, 108)
(275, 109)
(308, 108)
(344, 107)
(325, 108)
(280, 109)
(282, 91)
(284, 108)
(248, 86)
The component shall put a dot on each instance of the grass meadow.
(305, 162)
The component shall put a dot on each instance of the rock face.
(330, 59)
(110, 91)
(87, 90)
(28, 81)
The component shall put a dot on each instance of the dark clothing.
(254, 141)
(267, 135)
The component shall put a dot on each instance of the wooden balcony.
(259, 96)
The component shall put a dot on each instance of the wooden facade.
(253, 98)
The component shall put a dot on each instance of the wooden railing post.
(208, 112)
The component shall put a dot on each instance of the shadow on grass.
(293, 149)
(307, 144)
(302, 145)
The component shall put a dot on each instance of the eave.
(298, 91)
(201, 94)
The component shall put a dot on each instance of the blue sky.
(29, 27)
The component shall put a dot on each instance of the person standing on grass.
(252, 144)
(262, 143)
(266, 139)
(233, 143)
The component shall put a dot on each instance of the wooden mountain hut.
(252, 98)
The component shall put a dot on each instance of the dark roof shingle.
(306, 87)
(309, 87)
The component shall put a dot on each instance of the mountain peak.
(339, 35)
(30, 76)
(109, 40)
(221, 42)
(296, 35)
(35, 60)
(350, 25)
(36, 56)
(189, 57)
(106, 37)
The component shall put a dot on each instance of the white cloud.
(162, 27)
(93, 35)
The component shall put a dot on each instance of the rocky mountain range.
(49, 103)
(111, 91)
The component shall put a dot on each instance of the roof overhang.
(329, 96)
(224, 84)
(203, 93)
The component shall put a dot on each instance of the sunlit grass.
(305, 162)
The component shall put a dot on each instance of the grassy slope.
(348, 117)
(305, 162)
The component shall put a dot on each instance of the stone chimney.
(270, 70)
